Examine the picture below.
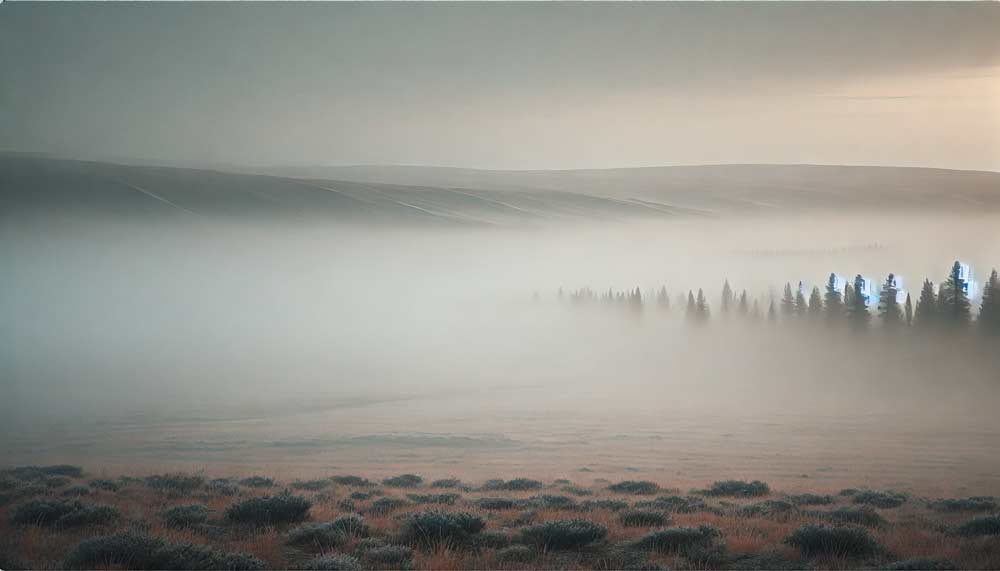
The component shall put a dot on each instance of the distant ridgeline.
(855, 302)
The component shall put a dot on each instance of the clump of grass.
(77, 491)
(394, 557)
(922, 565)
(641, 487)
(810, 499)
(223, 487)
(497, 504)
(362, 496)
(61, 514)
(386, 505)
(446, 483)
(880, 499)
(610, 505)
(257, 482)
(492, 539)
(311, 485)
(678, 504)
(440, 499)
(550, 501)
(351, 524)
(738, 489)
(577, 491)
(185, 516)
(838, 541)
(859, 515)
(403, 481)
(137, 550)
(105, 485)
(55, 481)
(766, 561)
(282, 508)
(333, 563)
(675, 539)
(353, 481)
(973, 504)
(642, 518)
(768, 508)
(564, 534)
(435, 528)
(514, 554)
(515, 485)
(322, 536)
(175, 483)
(984, 525)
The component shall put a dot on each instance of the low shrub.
(403, 481)
(514, 554)
(39, 472)
(175, 483)
(77, 491)
(497, 504)
(642, 518)
(440, 499)
(267, 510)
(105, 485)
(311, 485)
(577, 491)
(351, 524)
(515, 485)
(55, 481)
(322, 536)
(678, 504)
(810, 499)
(333, 563)
(922, 565)
(766, 561)
(768, 508)
(257, 482)
(973, 504)
(738, 489)
(838, 541)
(880, 499)
(675, 539)
(642, 488)
(354, 481)
(137, 550)
(446, 483)
(434, 528)
(610, 505)
(383, 506)
(564, 534)
(223, 487)
(389, 557)
(859, 515)
(553, 502)
(185, 516)
(985, 525)
(61, 514)
(492, 539)
(847, 492)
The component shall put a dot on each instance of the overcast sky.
(505, 85)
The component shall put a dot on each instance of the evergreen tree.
(743, 306)
(801, 307)
(926, 314)
(701, 306)
(857, 310)
(787, 302)
(953, 301)
(848, 297)
(663, 299)
(832, 300)
(989, 311)
(908, 310)
(888, 307)
(815, 303)
(727, 297)
(690, 312)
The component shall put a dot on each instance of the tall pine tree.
(857, 309)
(908, 310)
(888, 307)
(701, 306)
(989, 312)
(926, 313)
(727, 298)
(832, 301)
(801, 307)
(787, 302)
(953, 300)
(743, 306)
(815, 303)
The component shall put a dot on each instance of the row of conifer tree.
(946, 305)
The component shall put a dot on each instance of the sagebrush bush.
(577, 491)
(77, 491)
(223, 487)
(610, 505)
(497, 504)
(311, 485)
(61, 514)
(564, 534)
(810, 499)
(642, 518)
(354, 481)
(403, 481)
(973, 504)
(768, 508)
(550, 501)
(642, 487)
(40, 472)
(839, 541)
(105, 485)
(55, 481)
(282, 508)
(322, 536)
(257, 482)
(434, 528)
(333, 563)
(738, 489)
(679, 504)
(394, 557)
(492, 539)
(922, 565)
(985, 525)
(440, 499)
(176, 483)
(860, 515)
(675, 539)
(446, 483)
(137, 550)
(185, 516)
(880, 499)
(514, 554)
(386, 505)
(351, 524)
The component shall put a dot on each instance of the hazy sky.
(505, 85)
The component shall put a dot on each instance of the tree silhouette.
(772, 315)
(787, 302)
(743, 306)
(691, 309)
(815, 303)
(832, 301)
(727, 297)
(857, 309)
(989, 311)
(663, 298)
(908, 310)
(888, 307)
(926, 314)
(701, 306)
(953, 300)
(801, 307)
